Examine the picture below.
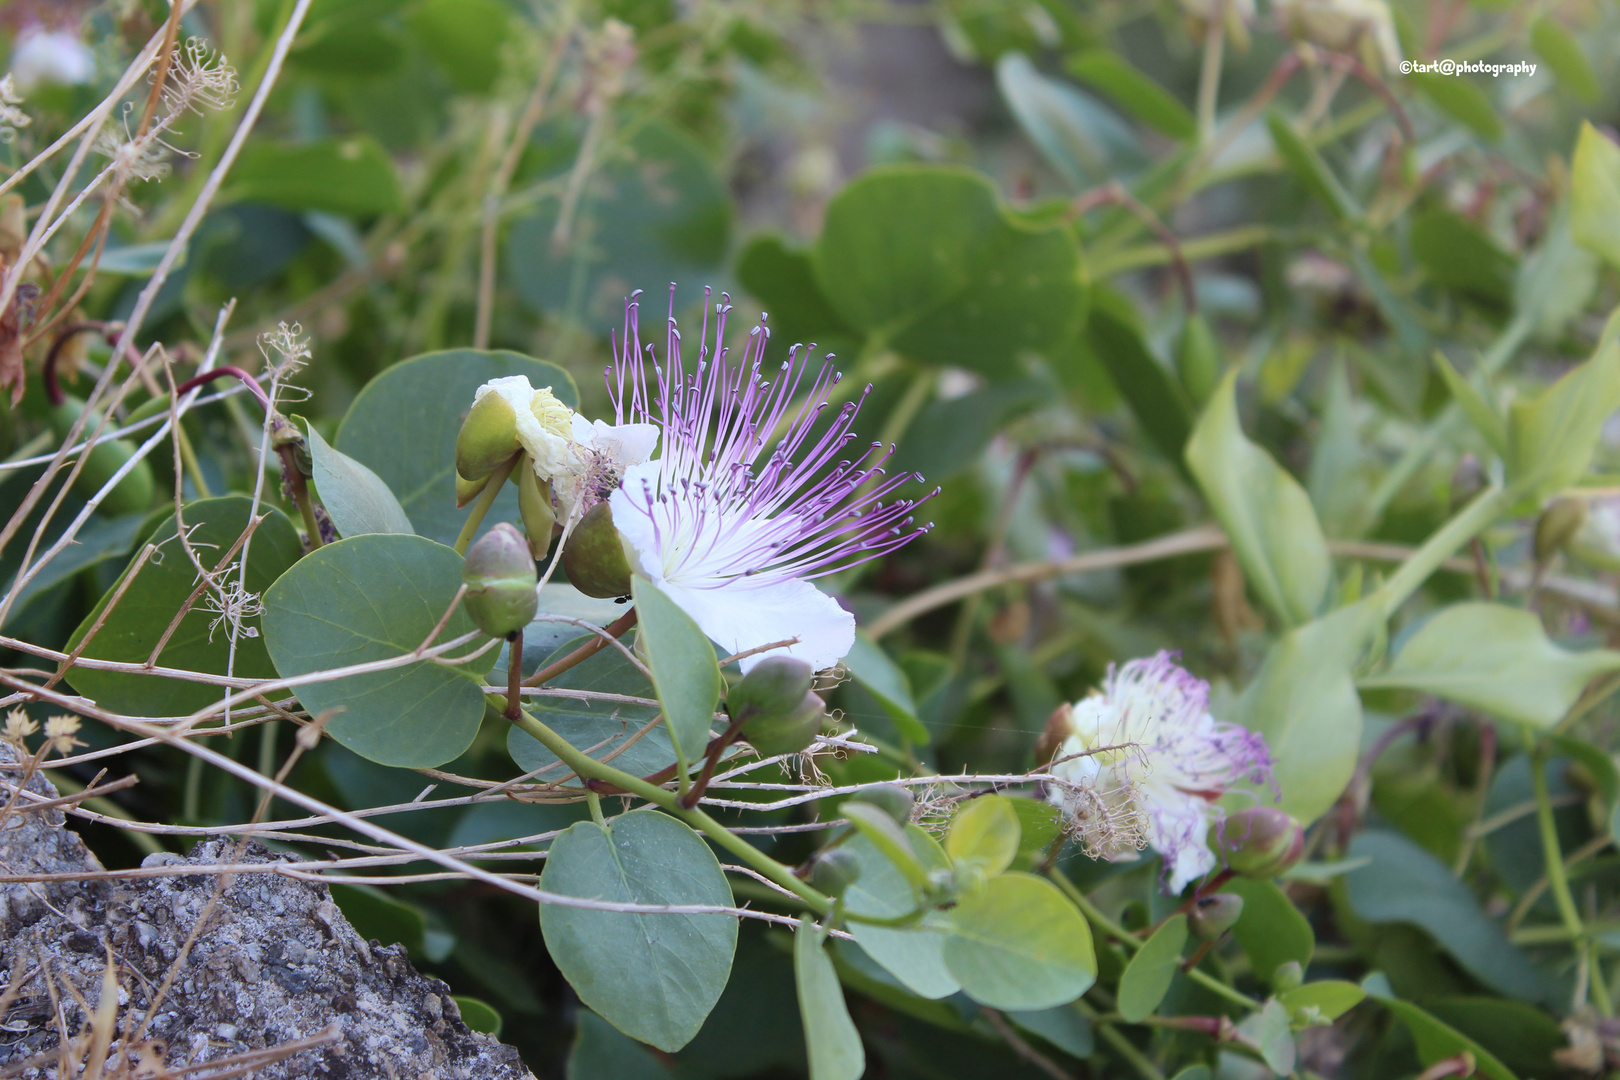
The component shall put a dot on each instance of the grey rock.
(274, 962)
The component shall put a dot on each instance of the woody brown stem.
(616, 629)
(514, 675)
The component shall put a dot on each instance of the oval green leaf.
(1018, 944)
(1147, 977)
(915, 954)
(1271, 930)
(202, 641)
(684, 669)
(375, 597)
(830, 1040)
(655, 977)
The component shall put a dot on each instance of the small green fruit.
(789, 732)
(1287, 977)
(1198, 359)
(892, 799)
(534, 507)
(834, 870)
(488, 437)
(1214, 915)
(594, 558)
(1557, 526)
(501, 580)
(777, 684)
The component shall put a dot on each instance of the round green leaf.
(403, 427)
(654, 977)
(1325, 1000)
(831, 1042)
(374, 597)
(987, 831)
(350, 175)
(479, 1015)
(915, 955)
(1019, 944)
(926, 258)
(1147, 977)
(202, 642)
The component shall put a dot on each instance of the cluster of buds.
(775, 707)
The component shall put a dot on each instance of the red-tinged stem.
(235, 372)
(53, 386)
(617, 629)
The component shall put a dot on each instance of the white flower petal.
(741, 616)
(1178, 829)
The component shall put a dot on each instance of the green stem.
(486, 499)
(188, 458)
(1468, 523)
(590, 768)
(1209, 77)
(594, 800)
(1122, 1046)
(1557, 880)
(300, 493)
(267, 748)
(1132, 942)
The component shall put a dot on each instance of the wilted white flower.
(44, 57)
(19, 725)
(1354, 26)
(60, 731)
(1148, 734)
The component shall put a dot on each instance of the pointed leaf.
(1479, 410)
(1147, 977)
(1307, 166)
(889, 838)
(1268, 516)
(655, 977)
(1328, 999)
(684, 669)
(830, 1040)
(1497, 659)
(1594, 194)
(1437, 1041)
(1462, 100)
(1551, 437)
(1133, 91)
(1563, 53)
(355, 498)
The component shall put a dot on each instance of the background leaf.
(134, 628)
(351, 175)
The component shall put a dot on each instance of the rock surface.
(273, 963)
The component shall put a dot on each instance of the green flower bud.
(594, 558)
(501, 579)
(1214, 915)
(1198, 359)
(834, 870)
(488, 437)
(534, 507)
(777, 684)
(1557, 526)
(1261, 842)
(133, 494)
(468, 490)
(892, 799)
(786, 733)
(1287, 977)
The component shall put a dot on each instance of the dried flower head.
(1147, 744)
(287, 342)
(232, 605)
(19, 725)
(11, 116)
(60, 731)
(199, 78)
